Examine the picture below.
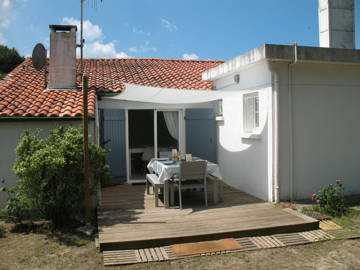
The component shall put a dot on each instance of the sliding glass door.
(151, 133)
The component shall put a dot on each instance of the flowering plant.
(331, 199)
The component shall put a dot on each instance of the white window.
(251, 112)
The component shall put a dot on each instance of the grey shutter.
(113, 130)
(201, 133)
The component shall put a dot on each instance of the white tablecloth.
(165, 171)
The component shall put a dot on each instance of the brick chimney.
(62, 66)
(337, 23)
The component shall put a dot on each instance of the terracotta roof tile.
(22, 91)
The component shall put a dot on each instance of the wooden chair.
(192, 176)
(153, 179)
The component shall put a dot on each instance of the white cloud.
(145, 48)
(5, 6)
(140, 31)
(91, 31)
(101, 50)
(190, 56)
(6, 15)
(168, 25)
(94, 46)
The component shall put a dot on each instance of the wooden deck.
(128, 218)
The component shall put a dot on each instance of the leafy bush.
(331, 199)
(51, 177)
(18, 208)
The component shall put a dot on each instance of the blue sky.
(204, 29)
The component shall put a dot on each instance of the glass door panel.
(141, 142)
(167, 132)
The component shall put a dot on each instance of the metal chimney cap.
(62, 27)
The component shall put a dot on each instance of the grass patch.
(2, 75)
(40, 247)
(351, 217)
(349, 221)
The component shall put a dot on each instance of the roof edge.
(283, 53)
(42, 118)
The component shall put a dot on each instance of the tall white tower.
(337, 23)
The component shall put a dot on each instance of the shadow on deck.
(128, 218)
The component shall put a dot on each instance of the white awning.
(140, 93)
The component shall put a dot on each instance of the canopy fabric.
(140, 93)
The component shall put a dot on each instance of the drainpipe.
(290, 115)
(275, 132)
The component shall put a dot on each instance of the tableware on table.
(188, 157)
(168, 162)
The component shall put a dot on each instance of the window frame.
(251, 114)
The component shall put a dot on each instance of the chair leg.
(180, 199)
(156, 196)
(147, 187)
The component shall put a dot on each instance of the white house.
(280, 120)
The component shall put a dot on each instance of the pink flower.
(313, 197)
(318, 201)
(338, 181)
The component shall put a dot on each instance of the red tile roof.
(22, 91)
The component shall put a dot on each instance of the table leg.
(215, 190)
(172, 195)
(166, 194)
(220, 184)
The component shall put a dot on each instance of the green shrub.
(18, 208)
(331, 199)
(51, 177)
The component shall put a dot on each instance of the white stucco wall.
(10, 132)
(326, 128)
(243, 161)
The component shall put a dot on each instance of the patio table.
(167, 170)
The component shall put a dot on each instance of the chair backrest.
(190, 170)
(164, 154)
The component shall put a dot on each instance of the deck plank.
(128, 217)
